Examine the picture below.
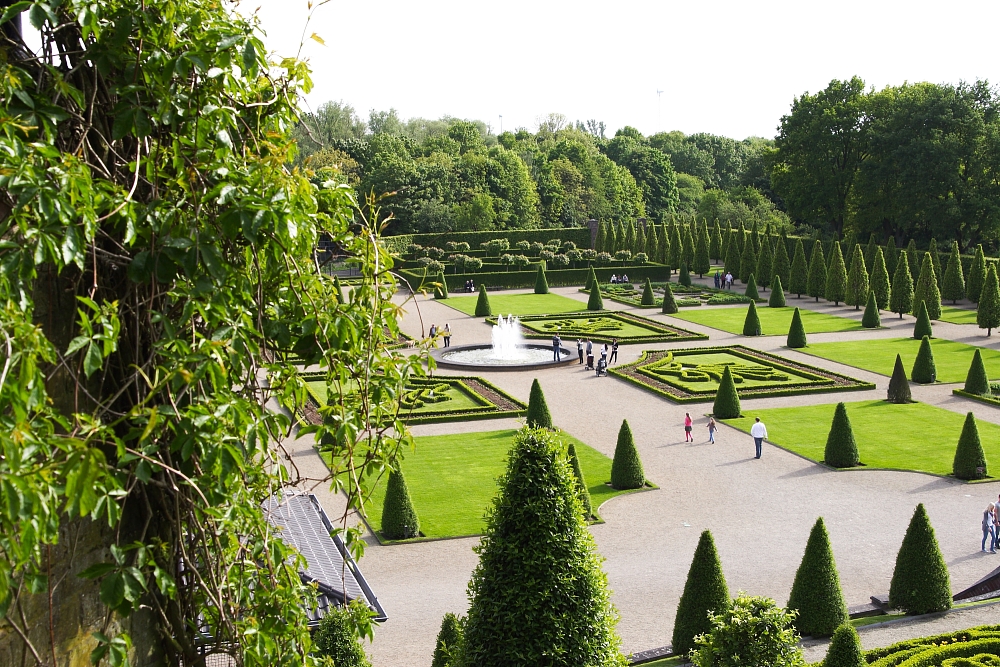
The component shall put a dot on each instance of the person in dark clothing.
(579, 349)
(556, 344)
(614, 350)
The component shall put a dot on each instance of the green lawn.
(879, 355)
(452, 479)
(957, 315)
(518, 304)
(914, 436)
(773, 321)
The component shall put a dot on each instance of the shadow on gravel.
(973, 556)
(805, 472)
(935, 484)
(734, 463)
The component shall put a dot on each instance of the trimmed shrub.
(595, 302)
(648, 298)
(841, 449)
(988, 312)
(924, 371)
(836, 276)
(399, 518)
(880, 281)
(816, 594)
(751, 325)
(845, 649)
(871, 319)
(932, 250)
(927, 289)
(816, 281)
(727, 401)
(857, 280)
(780, 265)
(733, 256)
(538, 415)
(337, 638)
(541, 284)
(748, 261)
(626, 468)
(901, 298)
(977, 276)
(715, 247)
(536, 546)
(752, 631)
(891, 255)
(796, 332)
(764, 261)
(798, 283)
(338, 290)
(441, 291)
(448, 648)
(899, 387)
(953, 283)
(685, 275)
(581, 481)
(977, 382)
(970, 459)
(702, 261)
(705, 593)
(751, 291)
(920, 581)
(777, 298)
(483, 303)
(669, 304)
(922, 327)
(913, 259)
(591, 280)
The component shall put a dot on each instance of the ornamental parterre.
(603, 326)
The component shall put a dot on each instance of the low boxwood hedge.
(660, 332)
(991, 399)
(518, 279)
(934, 650)
(578, 235)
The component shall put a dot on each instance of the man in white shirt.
(759, 432)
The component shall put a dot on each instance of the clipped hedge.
(578, 235)
(399, 518)
(626, 467)
(705, 592)
(932, 651)
(555, 277)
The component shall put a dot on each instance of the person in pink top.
(688, 425)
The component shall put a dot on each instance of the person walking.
(718, 280)
(712, 428)
(614, 350)
(579, 349)
(434, 330)
(688, 427)
(556, 344)
(758, 432)
(604, 353)
(996, 524)
(590, 355)
(989, 528)
(729, 280)
(447, 334)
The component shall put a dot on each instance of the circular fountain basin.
(482, 358)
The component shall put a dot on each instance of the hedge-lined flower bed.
(601, 326)
(980, 646)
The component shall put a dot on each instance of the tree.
(601, 242)
(901, 297)
(441, 291)
(733, 263)
(448, 647)
(841, 449)
(595, 302)
(927, 289)
(880, 281)
(337, 639)
(648, 298)
(977, 382)
(541, 283)
(687, 249)
(799, 279)
(777, 299)
(750, 631)
(845, 649)
(977, 276)
(748, 261)
(899, 387)
(816, 281)
(816, 594)
(836, 276)
(538, 415)
(626, 468)
(727, 401)
(483, 303)
(669, 306)
(922, 327)
(988, 311)
(913, 259)
(870, 250)
(970, 459)
(751, 325)
(857, 281)
(702, 261)
(685, 276)
(871, 319)
(751, 290)
(676, 247)
(953, 284)
(932, 250)
(764, 262)
(924, 370)
(536, 546)
(705, 593)
(920, 582)
(399, 518)
(780, 265)
(796, 332)
(591, 280)
(891, 256)
(715, 247)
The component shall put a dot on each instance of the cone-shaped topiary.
(953, 283)
(596, 301)
(927, 289)
(871, 319)
(748, 261)
(780, 265)
(988, 312)
(970, 459)
(751, 290)
(685, 275)
(581, 482)
(932, 250)
(816, 281)
(880, 281)
(977, 382)
(399, 518)
(841, 449)
(626, 468)
(537, 415)
(845, 649)
(922, 327)
(733, 256)
(901, 299)
(541, 282)
(764, 261)
(447, 649)
(899, 387)
(796, 332)
(857, 280)
(704, 592)
(727, 401)
(751, 325)
(536, 546)
(924, 371)
(648, 298)
(799, 280)
(441, 291)
(920, 581)
(891, 255)
(669, 305)
(816, 592)
(777, 298)
(977, 276)
(483, 303)
(702, 262)
(338, 291)
(836, 276)
(715, 246)
(591, 279)
(913, 259)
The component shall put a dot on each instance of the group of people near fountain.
(445, 333)
(589, 348)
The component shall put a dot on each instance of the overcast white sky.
(729, 68)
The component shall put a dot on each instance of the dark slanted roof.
(305, 526)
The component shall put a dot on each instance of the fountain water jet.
(508, 351)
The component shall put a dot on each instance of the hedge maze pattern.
(975, 647)
(603, 326)
(590, 326)
(667, 367)
(417, 397)
(695, 295)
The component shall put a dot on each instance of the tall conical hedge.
(932, 250)
(927, 289)
(901, 298)
(483, 303)
(781, 265)
(715, 248)
(536, 547)
(648, 298)
(891, 255)
(913, 259)
(977, 382)
(399, 518)
(816, 593)
(953, 283)
(626, 468)
(777, 298)
(447, 649)
(764, 261)
(920, 581)
(733, 256)
(727, 401)
(581, 481)
(595, 302)
(748, 261)
(798, 283)
(970, 459)
(836, 276)
(751, 290)
(685, 275)
(591, 279)
(541, 282)
(988, 312)
(871, 319)
(338, 290)
(537, 415)
(441, 291)
(880, 285)
(669, 304)
(816, 281)
(922, 327)
(796, 332)
(857, 280)
(977, 276)
(705, 592)
(924, 371)
(702, 262)
(751, 325)
(841, 449)
(899, 387)
(845, 649)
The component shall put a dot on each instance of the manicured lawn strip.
(518, 304)
(878, 355)
(633, 328)
(773, 321)
(957, 315)
(674, 661)
(914, 436)
(452, 480)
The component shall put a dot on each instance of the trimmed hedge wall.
(556, 277)
(578, 235)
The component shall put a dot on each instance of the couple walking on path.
(689, 427)
(991, 524)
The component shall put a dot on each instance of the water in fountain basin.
(508, 342)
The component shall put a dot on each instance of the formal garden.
(603, 327)
(517, 304)
(773, 321)
(951, 358)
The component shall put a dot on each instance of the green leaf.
(250, 59)
(97, 570)
(14, 10)
(93, 361)
(113, 590)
